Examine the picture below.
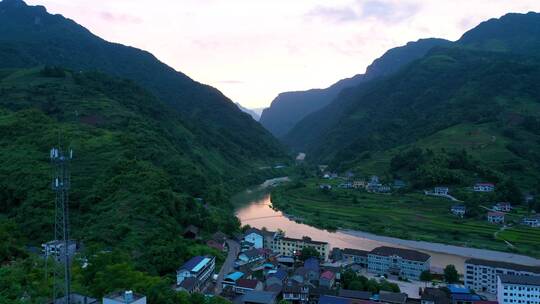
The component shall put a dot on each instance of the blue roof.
(234, 276)
(194, 261)
(280, 274)
(458, 289)
(333, 300)
(312, 264)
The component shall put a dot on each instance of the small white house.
(255, 236)
(458, 210)
(484, 187)
(495, 217)
(502, 207)
(55, 249)
(441, 190)
(533, 221)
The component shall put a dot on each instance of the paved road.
(227, 267)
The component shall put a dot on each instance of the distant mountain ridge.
(463, 84)
(29, 36)
(251, 112)
(291, 107)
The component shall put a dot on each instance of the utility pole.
(60, 161)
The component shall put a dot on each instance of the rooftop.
(189, 283)
(407, 254)
(312, 264)
(392, 297)
(520, 279)
(506, 265)
(495, 213)
(262, 297)
(233, 276)
(436, 295)
(333, 300)
(196, 263)
(328, 275)
(305, 240)
(246, 283)
(357, 252)
(120, 296)
(456, 288)
(355, 294)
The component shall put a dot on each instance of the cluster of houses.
(119, 297)
(268, 269)
(373, 184)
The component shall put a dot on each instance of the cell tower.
(60, 161)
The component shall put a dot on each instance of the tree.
(450, 274)
(309, 252)
(426, 276)
(356, 285)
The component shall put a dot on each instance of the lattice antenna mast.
(61, 183)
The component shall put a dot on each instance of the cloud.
(334, 14)
(119, 18)
(389, 11)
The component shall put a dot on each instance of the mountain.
(465, 84)
(29, 36)
(290, 107)
(252, 113)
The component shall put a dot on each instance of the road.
(228, 265)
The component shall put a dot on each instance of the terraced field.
(409, 216)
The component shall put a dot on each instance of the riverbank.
(426, 221)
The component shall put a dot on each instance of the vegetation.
(350, 280)
(450, 274)
(405, 215)
(308, 252)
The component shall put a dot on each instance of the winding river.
(254, 208)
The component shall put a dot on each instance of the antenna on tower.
(61, 182)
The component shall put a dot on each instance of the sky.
(252, 50)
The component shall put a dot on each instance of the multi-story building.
(355, 256)
(405, 263)
(200, 268)
(518, 289)
(481, 275)
(291, 247)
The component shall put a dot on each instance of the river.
(254, 208)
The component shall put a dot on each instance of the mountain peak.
(13, 3)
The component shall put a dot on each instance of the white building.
(495, 217)
(458, 210)
(481, 275)
(291, 247)
(201, 268)
(124, 297)
(441, 190)
(484, 187)
(503, 207)
(518, 289)
(532, 221)
(56, 248)
(405, 263)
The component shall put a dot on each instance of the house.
(231, 279)
(76, 298)
(189, 285)
(255, 237)
(327, 279)
(484, 187)
(55, 249)
(313, 269)
(359, 184)
(502, 207)
(124, 297)
(441, 190)
(244, 285)
(392, 297)
(325, 187)
(533, 221)
(191, 232)
(458, 210)
(200, 268)
(216, 245)
(355, 294)
(405, 263)
(259, 297)
(276, 277)
(301, 275)
(495, 217)
(296, 293)
(250, 256)
(291, 247)
(518, 289)
(434, 296)
(481, 275)
(355, 256)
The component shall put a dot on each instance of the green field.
(407, 216)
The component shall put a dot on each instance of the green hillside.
(136, 171)
(30, 36)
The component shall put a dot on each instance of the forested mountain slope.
(291, 107)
